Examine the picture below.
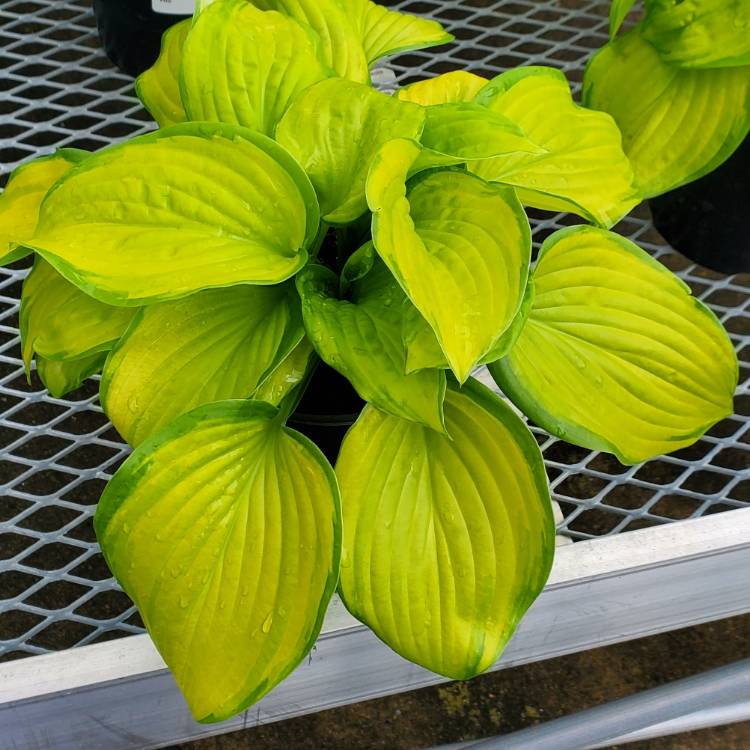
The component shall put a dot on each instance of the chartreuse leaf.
(677, 124)
(423, 349)
(61, 376)
(466, 132)
(616, 355)
(58, 321)
(159, 87)
(193, 206)
(618, 12)
(214, 345)
(225, 531)
(20, 201)
(291, 371)
(699, 33)
(361, 338)
(446, 541)
(388, 32)
(584, 171)
(244, 66)
(459, 248)
(334, 129)
(461, 133)
(336, 26)
(448, 88)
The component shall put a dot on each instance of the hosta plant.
(678, 86)
(288, 214)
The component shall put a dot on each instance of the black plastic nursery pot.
(328, 408)
(706, 220)
(131, 30)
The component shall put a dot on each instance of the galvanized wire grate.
(56, 455)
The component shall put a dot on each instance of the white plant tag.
(173, 7)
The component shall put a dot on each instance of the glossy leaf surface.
(446, 541)
(699, 33)
(334, 129)
(337, 27)
(423, 349)
(616, 354)
(61, 376)
(159, 87)
(361, 338)
(59, 322)
(459, 248)
(211, 346)
(448, 88)
(677, 124)
(244, 66)
(290, 372)
(388, 32)
(190, 207)
(469, 132)
(584, 171)
(23, 195)
(225, 531)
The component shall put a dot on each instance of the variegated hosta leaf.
(193, 206)
(448, 88)
(447, 541)
(677, 124)
(616, 355)
(58, 321)
(459, 247)
(20, 201)
(361, 338)
(159, 87)
(618, 12)
(214, 345)
(584, 171)
(465, 132)
(244, 66)
(699, 33)
(388, 32)
(291, 371)
(225, 531)
(337, 28)
(61, 376)
(334, 129)
(423, 349)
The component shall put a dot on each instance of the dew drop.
(133, 404)
(266, 627)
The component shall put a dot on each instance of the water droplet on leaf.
(266, 627)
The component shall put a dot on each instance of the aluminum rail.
(119, 695)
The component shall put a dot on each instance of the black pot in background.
(131, 30)
(707, 220)
(329, 407)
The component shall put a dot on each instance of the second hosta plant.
(287, 213)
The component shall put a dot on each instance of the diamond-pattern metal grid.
(57, 88)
